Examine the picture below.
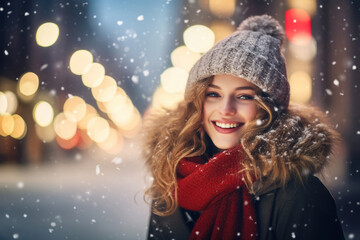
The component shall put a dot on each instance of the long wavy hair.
(174, 134)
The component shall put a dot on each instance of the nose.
(227, 107)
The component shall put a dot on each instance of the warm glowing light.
(183, 57)
(306, 5)
(47, 34)
(85, 141)
(94, 76)
(12, 102)
(19, 127)
(117, 102)
(298, 26)
(28, 84)
(106, 90)
(300, 87)
(75, 108)
(98, 129)
(133, 132)
(113, 144)
(174, 79)
(68, 143)
(129, 123)
(45, 134)
(199, 38)
(304, 52)
(222, 8)
(3, 103)
(90, 113)
(64, 127)
(43, 114)
(80, 62)
(7, 124)
(122, 119)
(221, 29)
(163, 99)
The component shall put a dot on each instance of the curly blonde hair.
(270, 149)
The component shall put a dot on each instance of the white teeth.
(227, 125)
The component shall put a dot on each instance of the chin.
(224, 146)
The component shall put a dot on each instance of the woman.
(236, 160)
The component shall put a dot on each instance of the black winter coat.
(296, 211)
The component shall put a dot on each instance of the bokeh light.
(43, 113)
(94, 76)
(298, 26)
(117, 103)
(64, 127)
(304, 52)
(98, 129)
(28, 84)
(20, 127)
(222, 8)
(163, 99)
(47, 34)
(74, 108)
(199, 38)
(106, 90)
(183, 57)
(113, 143)
(12, 102)
(7, 124)
(90, 113)
(68, 143)
(45, 134)
(174, 79)
(300, 87)
(3, 103)
(307, 5)
(80, 62)
(221, 29)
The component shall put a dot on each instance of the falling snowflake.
(140, 18)
(119, 23)
(97, 169)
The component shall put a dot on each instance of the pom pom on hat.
(264, 24)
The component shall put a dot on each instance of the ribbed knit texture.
(217, 189)
(253, 52)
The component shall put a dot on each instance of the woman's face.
(229, 105)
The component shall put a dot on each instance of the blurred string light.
(300, 87)
(106, 90)
(163, 99)
(74, 108)
(221, 29)
(47, 34)
(20, 127)
(304, 52)
(183, 57)
(64, 127)
(45, 134)
(43, 113)
(113, 144)
(28, 84)
(94, 76)
(222, 8)
(98, 129)
(90, 113)
(6, 124)
(174, 79)
(68, 143)
(80, 62)
(307, 5)
(3, 103)
(12, 102)
(199, 38)
(298, 26)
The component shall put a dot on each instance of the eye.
(212, 94)
(245, 97)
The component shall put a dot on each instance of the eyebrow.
(238, 88)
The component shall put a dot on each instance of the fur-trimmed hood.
(301, 140)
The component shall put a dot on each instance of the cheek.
(252, 111)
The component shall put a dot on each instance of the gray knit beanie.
(252, 52)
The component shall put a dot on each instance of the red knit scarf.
(218, 190)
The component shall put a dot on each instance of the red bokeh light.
(298, 26)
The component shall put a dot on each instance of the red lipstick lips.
(227, 130)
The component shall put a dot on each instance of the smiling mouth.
(227, 125)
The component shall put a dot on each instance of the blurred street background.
(77, 78)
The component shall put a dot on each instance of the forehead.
(230, 81)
